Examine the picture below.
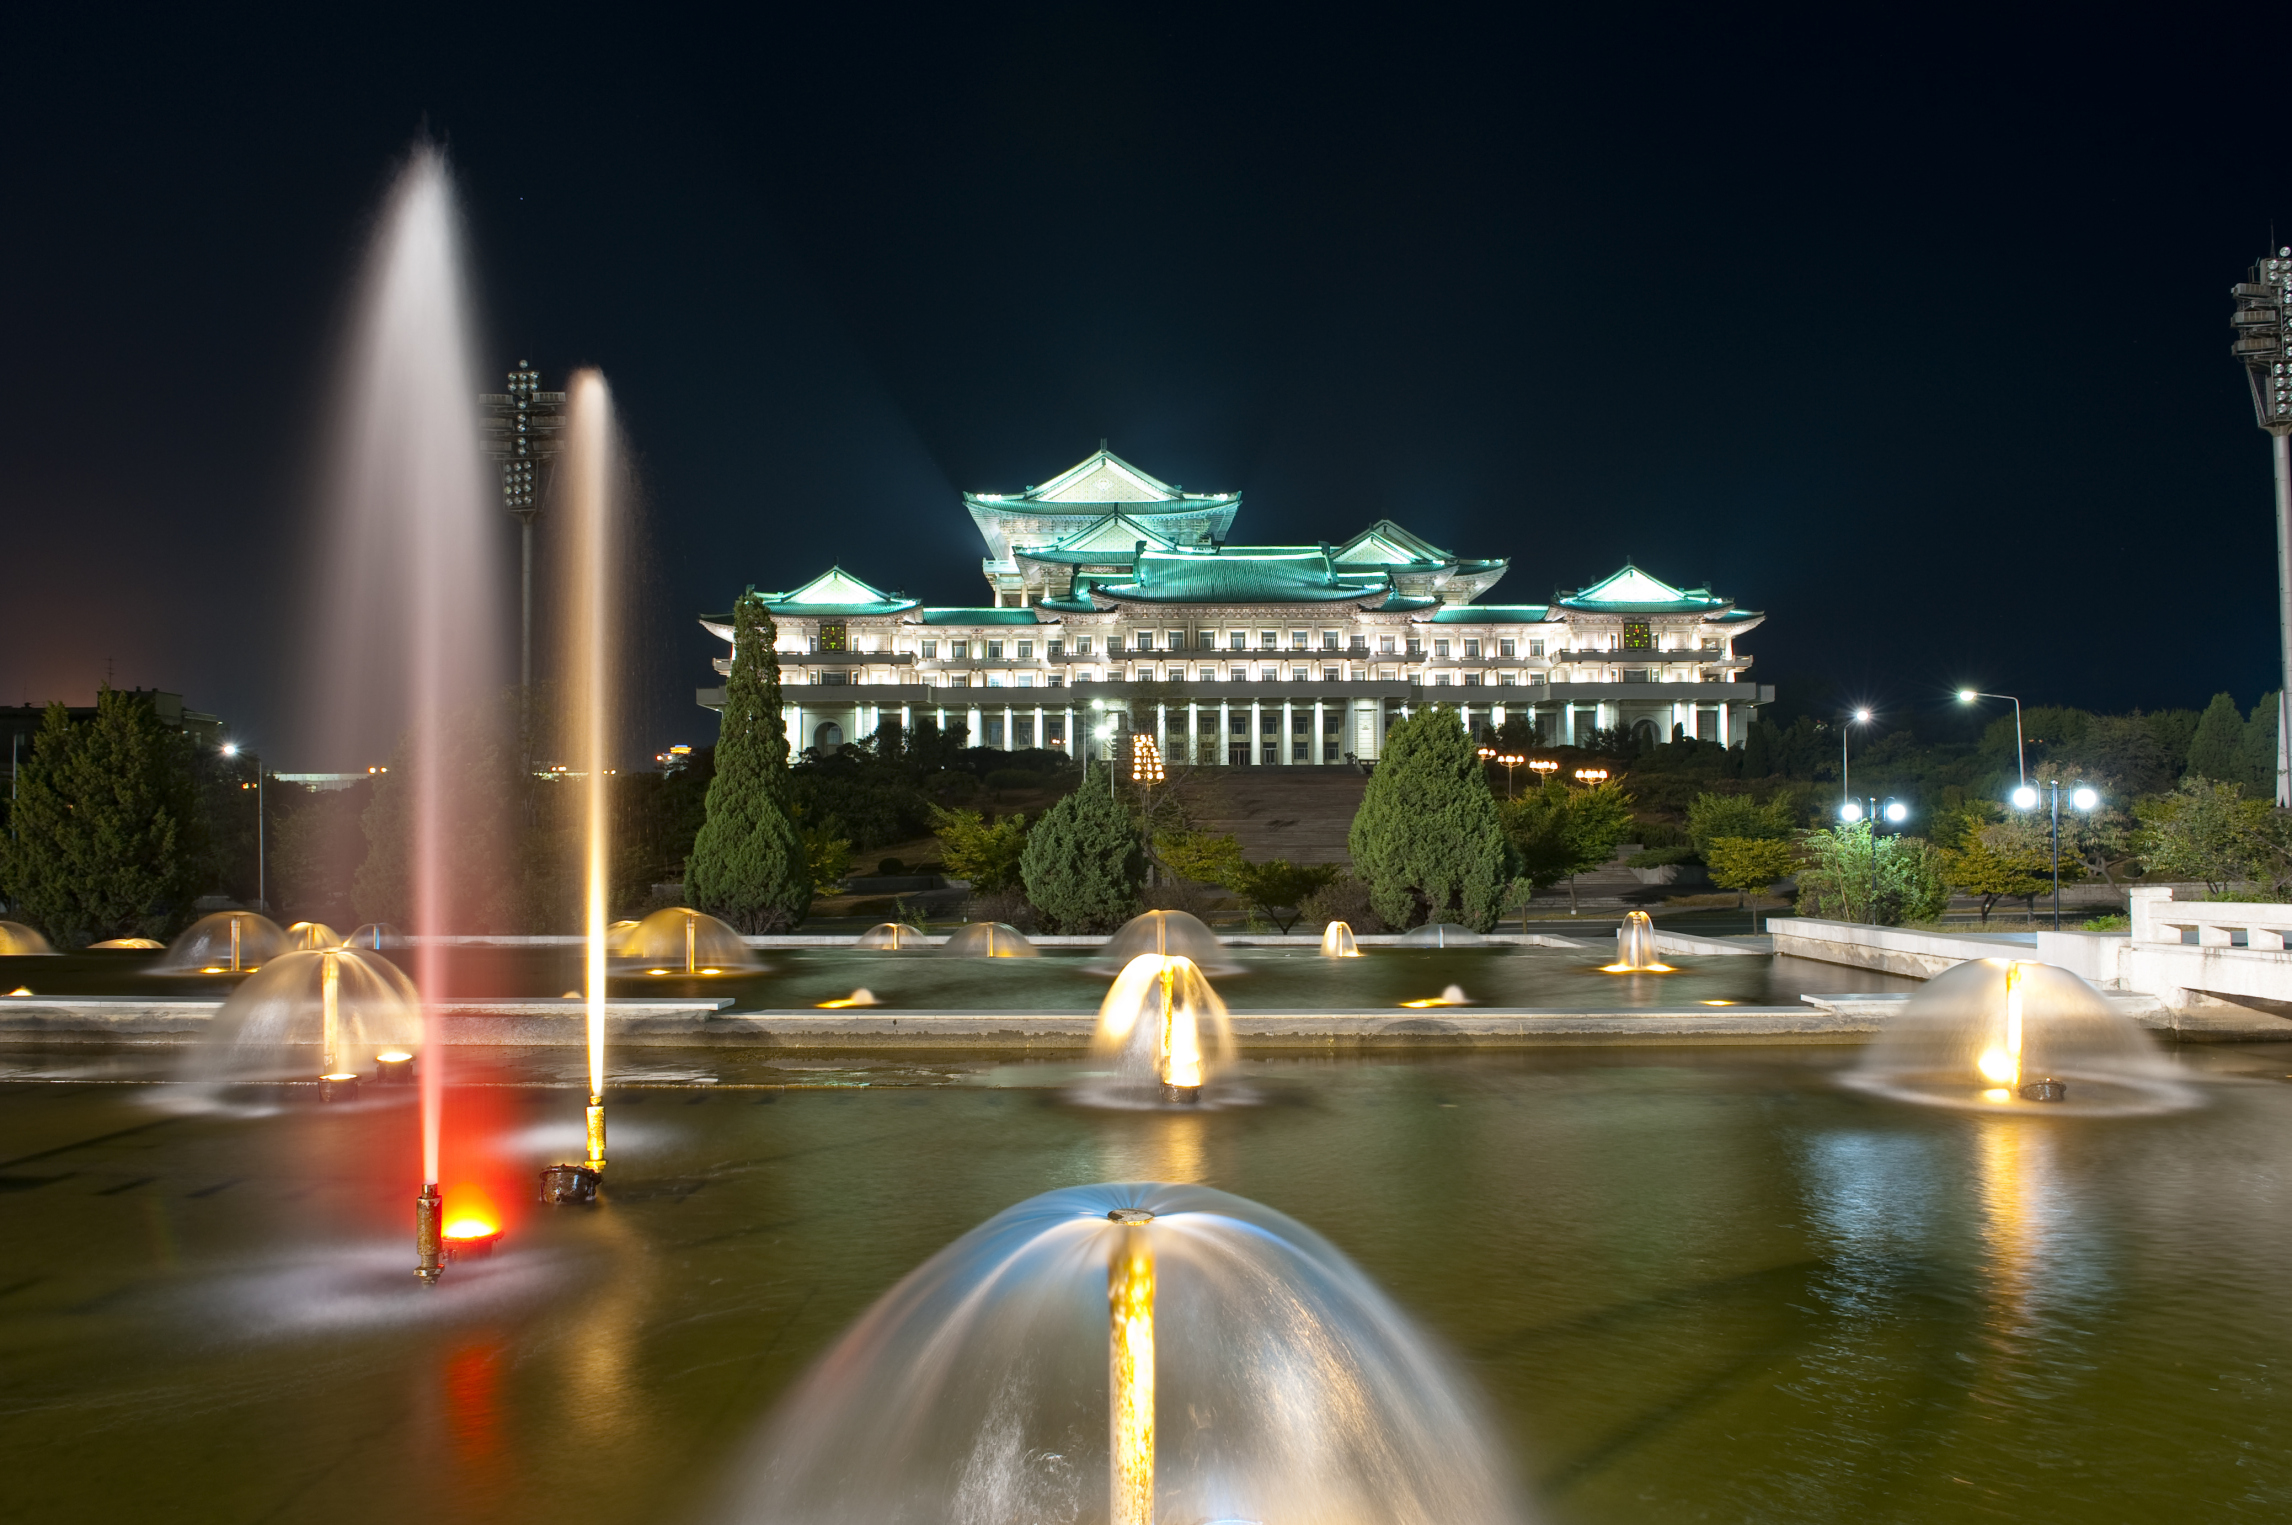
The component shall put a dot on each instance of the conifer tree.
(2219, 736)
(748, 863)
(1083, 863)
(104, 835)
(1426, 840)
(2256, 755)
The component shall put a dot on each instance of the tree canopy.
(1427, 840)
(749, 862)
(1082, 864)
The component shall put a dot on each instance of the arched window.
(828, 737)
(1643, 733)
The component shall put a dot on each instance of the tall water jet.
(1635, 947)
(592, 619)
(415, 609)
(1161, 1026)
(1021, 1374)
(2016, 1035)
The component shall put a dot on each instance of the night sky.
(1910, 329)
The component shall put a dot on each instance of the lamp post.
(2020, 768)
(2264, 343)
(1894, 812)
(262, 887)
(1510, 761)
(1543, 767)
(522, 427)
(1859, 717)
(2080, 798)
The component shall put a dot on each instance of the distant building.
(1106, 579)
(19, 723)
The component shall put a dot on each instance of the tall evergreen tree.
(2219, 737)
(1083, 862)
(1427, 840)
(748, 864)
(104, 839)
(2256, 755)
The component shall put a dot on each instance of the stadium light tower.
(2264, 344)
(522, 429)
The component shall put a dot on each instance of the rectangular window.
(1269, 722)
(1058, 680)
(1472, 680)
(1384, 645)
(1026, 650)
(1301, 751)
(1472, 648)
(835, 679)
(1209, 675)
(1328, 640)
(1332, 722)
(1440, 680)
(994, 651)
(1237, 640)
(1114, 643)
(1082, 645)
(1026, 680)
(1359, 645)
(1238, 675)
(1271, 756)
(1237, 722)
(1636, 675)
(1504, 680)
(1206, 639)
(994, 729)
(1023, 730)
(1535, 680)
(930, 649)
(1416, 647)
(1329, 675)
(960, 650)
(994, 680)
(1054, 729)
(1507, 648)
(1267, 640)
(1055, 650)
(1300, 722)
(1388, 675)
(1535, 648)
(1174, 640)
(1440, 649)
(1301, 675)
(1360, 675)
(1297, 640)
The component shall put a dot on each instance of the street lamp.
(2264, 343)
(1544, 767)
(1592, 775)
(262, 888)
(1510, 761)
(1968, 696)
(1859, 717)
(2080, 798)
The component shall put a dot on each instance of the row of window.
(1468, 648)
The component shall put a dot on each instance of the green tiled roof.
(1494, 614)
(978, 617)
(1387, 544)
(1632, 591)
(1243, 577)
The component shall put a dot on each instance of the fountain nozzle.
(2048, 1089)
(1184, 1096)
(429, 1247)
(1129, 1215)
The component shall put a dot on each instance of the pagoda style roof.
(976, 617)
(1386, 544)
(1098, 486)
(834, 594)
(1236, 575)
(1494, 614)
(1632, 591)
(1110, 540)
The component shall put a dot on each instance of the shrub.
(1082, 865)
(1426, 840)
(1663, 857)
(1344, 899)
(2107, 924)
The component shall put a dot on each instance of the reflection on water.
(1696, 1284)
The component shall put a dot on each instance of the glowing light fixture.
(1130, 1373)
(2084, 799)
(2025, 798)
(1897, 812)
(394, 1067)
(1850, 812)
(470, 1239)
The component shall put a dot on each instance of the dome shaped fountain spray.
(225, 942)
(1337, 941)
(2015, 1035)
(1635, 948)
(1150, 1027)
(1020, 1374)
(349, 1004)
(680, 940)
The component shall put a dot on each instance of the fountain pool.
(1691, 1284)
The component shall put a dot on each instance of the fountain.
(305, 935)
(892, 935)
(351, 1005)
(1337, 941)
(1131, 1353)
(1635, 948)
(226, 942)
(20, 941)
(989, 939)
(1150, 1028)
(1165, 933)
(683, 941)
(2016, 1035)
(1443, 934)
(136, 944)
(374, 936)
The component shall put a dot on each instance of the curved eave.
(975, 617)
(1713, 610)
(1494, 614)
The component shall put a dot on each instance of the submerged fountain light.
(2001, 1034)
(394, 1067)
(1337, 941)
(993, 1383)
(469, 1239)
(860, 997)
(1635, 948)
(1453, 995)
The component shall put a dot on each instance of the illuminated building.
(1109, 584)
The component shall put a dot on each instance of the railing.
(2158, 918)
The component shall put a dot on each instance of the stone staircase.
(1301, 814)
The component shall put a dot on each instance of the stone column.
(1007, 738)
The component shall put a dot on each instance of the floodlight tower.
(2264, 344)
(522, 428)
